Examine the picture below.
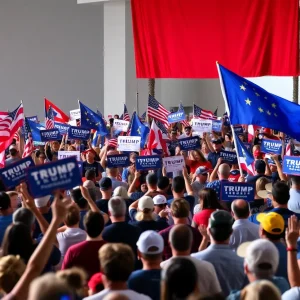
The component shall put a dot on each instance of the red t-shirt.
(84, 255)
(196, 164)
(202, 217)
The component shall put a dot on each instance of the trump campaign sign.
(202, 125)
(271, 146)
(291, 165)
(66, 154)
(176, 117)
(50, 135)
(129, 143)
(228, 157)
(189, 143)
(15, 173)
(116, 161)
(238, 129)
(121, 125)
(75, 114)
(231, 191)
(174, 163)
(62, 174)
(78, 133)
(63, 128)
(150, 162)
(217, 125)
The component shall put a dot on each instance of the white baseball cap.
(11, 147)
(145, 202)
(42, 201)
(159, 199)
(149, 239)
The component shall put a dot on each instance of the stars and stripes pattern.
(143, 117)
(28, 148)
(126, 116)
(3, 114)
(157, 111)
(162, 127)
(49, 121)
(113, 143)
(185, 123)
(200, 113)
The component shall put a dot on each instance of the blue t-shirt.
(146, 282)
(5, 221)
(282, 266)
(188, 198)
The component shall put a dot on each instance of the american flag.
(143, 117)
(185, 123)
(113, 143)
(288, 150)
(28, 149)
(200, 113)
(157, 111)
(49, 122)
(162, 127)
(126, 116)
(130, 124)
(3, 114)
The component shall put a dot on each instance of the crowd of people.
(128, 234)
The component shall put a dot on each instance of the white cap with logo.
(150, 239)
(159, 199)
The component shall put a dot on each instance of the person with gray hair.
(25, 216)
(243, 229)
(180, 240)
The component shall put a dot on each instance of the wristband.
(291, 249)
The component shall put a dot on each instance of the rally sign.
(78, 133)
(217, 125)
(202, 125)
(238, 129)
(271, 146)
(150, 162)
(231, 191)
(116, 161)
(291, 165)
(174, 163)
(33, 119)
(75, 114)
(62, 174)
(63, 128)
(189, 143)
(50, 135)
(176, 117)
(121, 125)
(129, 143)
(228, 157)
(15, 173)
(66, 154)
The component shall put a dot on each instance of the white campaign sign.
(74, 114)
(121, 125)
(174, 163)
(129, 143)
(202, 125)
(65, 154)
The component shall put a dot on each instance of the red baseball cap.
(95, 280)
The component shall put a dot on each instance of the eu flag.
(92, 120)
(139, 129)
(250, 104)
(34, 128)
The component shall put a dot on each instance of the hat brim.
(242, 249)
(263, 194)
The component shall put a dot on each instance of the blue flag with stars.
(92, 120)
(139, 129)
(252, 105)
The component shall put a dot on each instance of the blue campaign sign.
(271, 146)
(228, 157)
(33, 119)
(119, 160)
(14, 174)
(79, 133)
(217, 125)
(63, 128)
(291, 165)
(150, 162)
(231, 191)
(45, 179)
(50, 135)
(238, 129)
(176, 117)
(189, 143)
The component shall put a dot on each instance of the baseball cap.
(145, 202)
(260, 255)
(220, 218)
(188, 127)
(95, 280)
(159, 199)
(271, 222)
(149, 239)
(201, 170)
(11, 147)
(42, 201)
(266, 192)
(89, 150)
(216, 141)
(260, 166)
(105, 184)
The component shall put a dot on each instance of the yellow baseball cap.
(271, 222)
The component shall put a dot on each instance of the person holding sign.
(91, 164)
(196, 160)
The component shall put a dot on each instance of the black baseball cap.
(105, 184)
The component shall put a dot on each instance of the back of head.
(260, 290)
(180, 208)
(117, 261)
(93, 223)
(181, 238)
(209, 199)
(76, 196)
(281, 192)
(224, 171)
(179, 279)
(260, 166)
(121, 192)
(178, 185)
(73, 216)
(4, 201)
(94, 193)
(151, 179)
(49, 287)
(220, 225)
(113, 172)
(90, 174)
(25, 216)
(117, 207)
(295, 180)
(240, 208)
(163, 183)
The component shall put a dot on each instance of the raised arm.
(213, 175)
(188, 186)
(279, 168)
(131, 189)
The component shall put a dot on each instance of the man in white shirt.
(180, 239)
(117, 263)
(294, 201)
(243, 229)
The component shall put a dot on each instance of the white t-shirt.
(207, 277)
(132, 295)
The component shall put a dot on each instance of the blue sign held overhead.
(238, 130)
(50, 135)
(63, 128)
(78, 133)
(231, 191)
(33, 119)
(228, 157)
(15, 173)
(271, 146)
(217, 125)
(116, 161)
(291, 165)
(63, 174)
(176, 117)
(189, 143)
(150, 162)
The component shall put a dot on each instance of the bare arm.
(268, 170)
(132, 186)
(188, 186)
(205, 237)
(103, 158)
(279, 168)
(213, 175)
(208, 143)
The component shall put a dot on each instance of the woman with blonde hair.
(196, 159)
(260, 290)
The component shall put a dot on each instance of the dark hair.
(25, 216)
(151, 179)
(2, 186)
(178, 184)
(281, 192)
(163, 182)
(180, 279)
(295, 179)
(90, 174)
(241, 212)
(93, 223)
(209, 199)
(273, 237)
(181, 237)
(4, 201)
(73, 216)
(221, 233)
(180, 208)
(76, 196)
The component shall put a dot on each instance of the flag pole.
(228, 111)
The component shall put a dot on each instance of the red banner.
(185, 38)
